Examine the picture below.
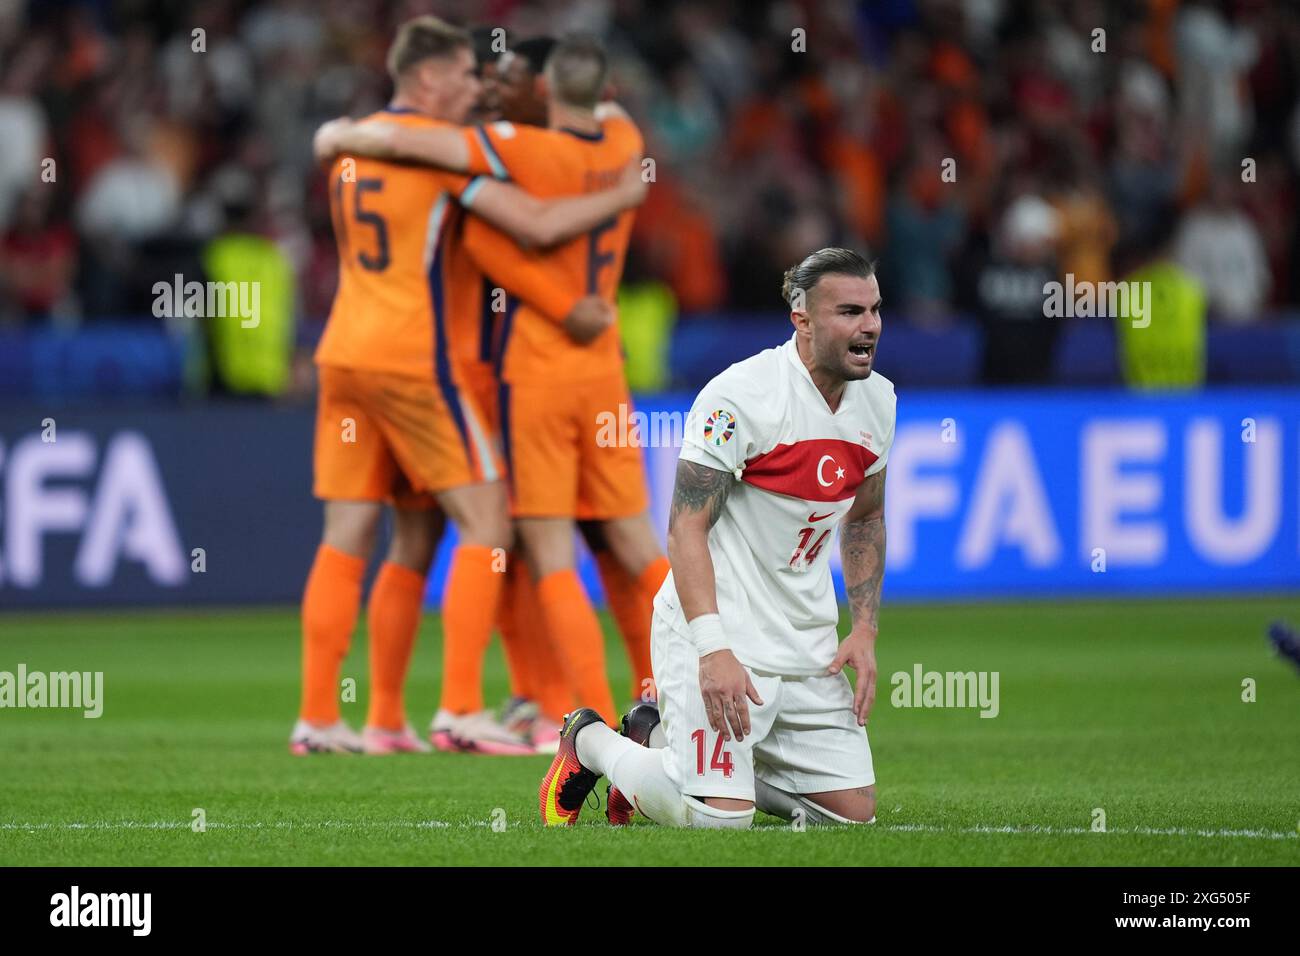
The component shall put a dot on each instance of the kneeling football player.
(756, 710)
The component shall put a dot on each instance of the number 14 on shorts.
(721, 760)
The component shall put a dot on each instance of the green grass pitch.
(1133, 707)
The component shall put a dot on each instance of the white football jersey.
(798, 466)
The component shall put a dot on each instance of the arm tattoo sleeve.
(699, 487)
(862, 553)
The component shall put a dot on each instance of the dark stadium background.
(977, 149)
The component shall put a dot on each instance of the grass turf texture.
(1134, 707)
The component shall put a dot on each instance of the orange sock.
(551, 685)
(575, 634)
(469, 609)
(554, 695)
(631, 613)
(394, 618)
(511, 621)
(652, 577)
(536, 672)
(331, 602)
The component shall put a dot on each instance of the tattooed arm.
(698, 498)
(862, 553)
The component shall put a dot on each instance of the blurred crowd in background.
(977, 147)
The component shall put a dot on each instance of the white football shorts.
(803, 738)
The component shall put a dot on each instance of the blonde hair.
(422, 38)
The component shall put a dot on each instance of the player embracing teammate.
(780, 449)
(396, 424)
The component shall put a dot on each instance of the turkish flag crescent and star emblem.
(819, 469)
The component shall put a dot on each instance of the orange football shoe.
(638, 724)
(567, 782)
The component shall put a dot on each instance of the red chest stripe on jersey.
(819, 469)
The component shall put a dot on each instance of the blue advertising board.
(989, 495)
(1089, 493)
(139, 505)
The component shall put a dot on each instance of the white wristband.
(707, 632)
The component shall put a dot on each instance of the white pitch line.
(1073, 831)
(983, 829)
(217, 825)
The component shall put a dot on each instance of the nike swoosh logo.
(816, 517)
(552, 797)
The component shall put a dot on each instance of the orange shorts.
(480, 382)
(567, 453)
(390, 438)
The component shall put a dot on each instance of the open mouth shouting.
(861, 353)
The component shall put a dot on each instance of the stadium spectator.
(38, 257)
(256, 359)
(925, 226)
(775, 128)
(1222, 248)
(1164, 346)
(1089, 229)
(135, 196)
(1214, 56)
(1020, 337)
(1145, 173)
(23, 131)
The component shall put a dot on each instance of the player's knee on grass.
(352, 526)
(844, 806)
(792, 806)
(734, 815)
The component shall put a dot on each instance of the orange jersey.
(399, 269)
(532, 346)
(482, 312)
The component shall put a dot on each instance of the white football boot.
(525, 719)
(478, 733)
(378, 742)
(545, 737)
(518, 714)
(337, 738)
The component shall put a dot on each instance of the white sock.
(775, 801)
(599, 746)
(705, 817)
(640, 774)
(781, 804)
